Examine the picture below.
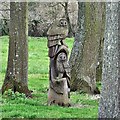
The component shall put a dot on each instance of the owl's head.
(62, 56)
(62, 22)
(58, 27)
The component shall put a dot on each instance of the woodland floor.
(18, 106)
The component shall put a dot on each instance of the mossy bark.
(16, 77)
(85, 52)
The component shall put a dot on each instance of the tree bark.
(110, 96)
(70, 31)
(16, 77)
(84, 56)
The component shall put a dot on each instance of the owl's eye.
(61, 57)
(61, 22)
(65, 23)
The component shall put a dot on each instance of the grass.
(18, 106)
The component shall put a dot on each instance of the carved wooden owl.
(61, 57)
(57, 32)
(62, 64)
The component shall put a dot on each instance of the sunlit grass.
(18, 106)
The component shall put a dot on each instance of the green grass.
(18, 106)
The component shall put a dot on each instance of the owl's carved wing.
(66, 68)
(67, 72)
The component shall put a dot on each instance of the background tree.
(17, 69)
(85, 52)
(4, 18)
(70, 30)
(110, 96)
(40, 16)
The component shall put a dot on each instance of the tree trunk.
(17, 69)
(101, 43)
(85, 52)
(110, 95)
(70, 31)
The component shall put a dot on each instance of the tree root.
(16, 87)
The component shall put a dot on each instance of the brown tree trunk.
(101, 42)
(16, 77)
(84, 56)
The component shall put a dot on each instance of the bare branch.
(5, 4)
(4, 9)
(53, 5)
(62, 4)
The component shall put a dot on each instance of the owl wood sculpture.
(57, 32)
(59, 70)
